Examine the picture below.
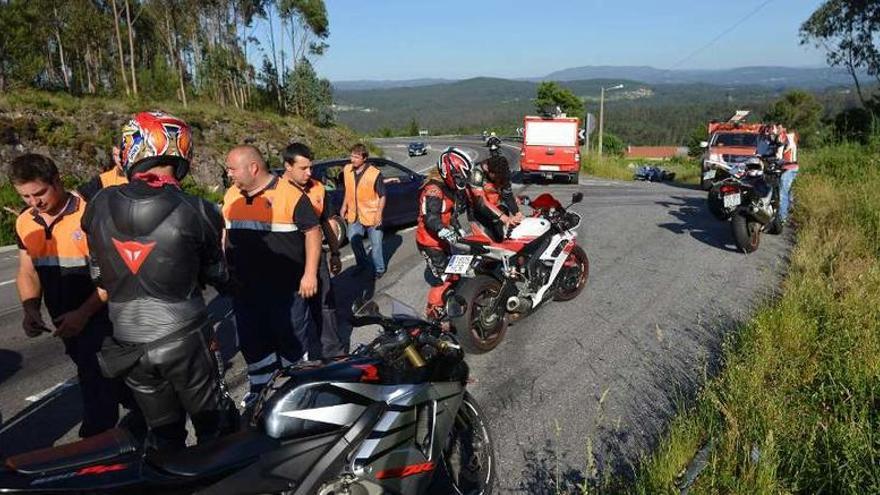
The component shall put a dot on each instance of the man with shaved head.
(273, 245)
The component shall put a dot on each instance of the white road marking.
(7, 282)
(54, 389)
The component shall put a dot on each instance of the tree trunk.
(134, 84)
(119, 48)
(90, 85)
(275, 60)
(61, 49)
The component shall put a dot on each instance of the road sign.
(590, 123)
(519, 131)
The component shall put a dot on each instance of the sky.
(457, 39)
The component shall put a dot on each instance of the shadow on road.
(10, 363)
(695, 219)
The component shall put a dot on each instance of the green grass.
(800, 383)
(612, 167)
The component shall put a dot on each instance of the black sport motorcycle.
(749, 198)
(394, 417)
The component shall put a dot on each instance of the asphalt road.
(576, 387)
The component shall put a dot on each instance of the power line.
(723, 33)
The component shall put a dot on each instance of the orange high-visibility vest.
(113, 177)
(315, 191)
(361, 200)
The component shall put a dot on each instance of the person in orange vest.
(272, 246)
(362, 208)
(53, 268)
(297, 158)
(113, 177)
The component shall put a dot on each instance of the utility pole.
(602, 114)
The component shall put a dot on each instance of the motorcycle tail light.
(728, 189)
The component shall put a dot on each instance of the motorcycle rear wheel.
(479, 332)
(573, 277)
(746, 233)
(469, 458)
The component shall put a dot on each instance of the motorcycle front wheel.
(573, 276)
(746, 233)
(480, 330)
(469, 459)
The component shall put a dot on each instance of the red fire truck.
(550, 148)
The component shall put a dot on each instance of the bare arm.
(308, 286)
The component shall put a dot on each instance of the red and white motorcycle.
(538, 260)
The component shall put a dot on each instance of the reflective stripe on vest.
(261, 226)
(361, 200)
(60, 262)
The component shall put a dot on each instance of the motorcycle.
(393, 417)
(494, 145)
(749, 198)
(538, 260)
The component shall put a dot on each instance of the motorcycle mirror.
(363, 306)
(577, 197)
(455, 306)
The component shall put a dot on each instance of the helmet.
(492, 134)
(754, 167)
(150, 139)
(454, 167)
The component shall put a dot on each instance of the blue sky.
(454, 39)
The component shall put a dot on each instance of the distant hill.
(641, 113)
(385, 84)
(777, 77)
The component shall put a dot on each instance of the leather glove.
(335, 264)
(449, 235)
(33, 323)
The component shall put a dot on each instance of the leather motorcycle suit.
(153, 249)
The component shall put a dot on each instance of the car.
(401, 188)
(417, 148)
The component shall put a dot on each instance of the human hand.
(33, 323)
(335, 264)
(70, 324)
(308, 286)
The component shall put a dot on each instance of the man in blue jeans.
(788, 149)
(363, 207)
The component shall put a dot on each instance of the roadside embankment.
(796, 405)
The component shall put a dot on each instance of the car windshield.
(744, 139)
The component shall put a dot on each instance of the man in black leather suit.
(153, 247)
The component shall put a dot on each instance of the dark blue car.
(401, 186)
(417, 149)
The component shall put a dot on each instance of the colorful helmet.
(155, 138)
(454, 167)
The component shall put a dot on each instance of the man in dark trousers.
(53, 267)
(153, 248)
(297, 159)
(273, 246)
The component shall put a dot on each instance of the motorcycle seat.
(103, 447)
(214, 456)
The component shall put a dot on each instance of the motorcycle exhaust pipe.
(760, 214)
(518, 304)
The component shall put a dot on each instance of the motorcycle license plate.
(459, 264)
(709, 174)
(732, 200)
